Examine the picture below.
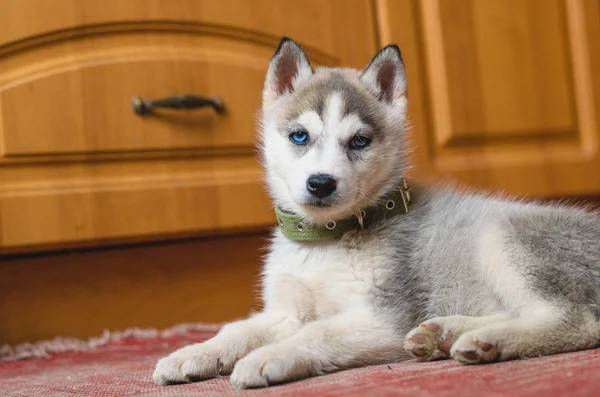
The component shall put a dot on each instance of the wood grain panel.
(68, 204)
(502, 92)
(506, 65)
(81, 294)
(337, 27)
(81, 103)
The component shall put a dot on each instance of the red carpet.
(124, 367)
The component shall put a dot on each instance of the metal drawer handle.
(179, 102)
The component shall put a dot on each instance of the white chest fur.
(313, 281)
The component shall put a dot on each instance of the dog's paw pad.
(432, 327)
(427, 342)
(420, 345)
(471, 350)
(486, 347)
(466, 356)
(420, 339)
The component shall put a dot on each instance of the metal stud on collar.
(405, 194)
(330, 225)
(405, 183)
(390, 205)
(404, 197)
(300, 227)
(361, 218)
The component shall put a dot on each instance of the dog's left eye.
(299, 137)
(359, 142)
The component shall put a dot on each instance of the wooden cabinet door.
(505, 94)
(77, 166)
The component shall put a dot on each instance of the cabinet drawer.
(82, 103)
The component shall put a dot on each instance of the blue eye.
(299, 137)
(359, 142)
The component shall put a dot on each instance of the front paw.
(270, 365)
(193, 363)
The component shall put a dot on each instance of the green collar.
(295, 228)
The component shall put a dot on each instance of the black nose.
(320, 185)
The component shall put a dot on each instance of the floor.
(122, 365)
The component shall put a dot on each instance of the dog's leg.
(218, 355)
(535, 332)
(342, 341)
(544, 321)
(433, 339)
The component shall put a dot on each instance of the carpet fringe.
(67, 344)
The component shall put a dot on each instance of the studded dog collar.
(296, 228)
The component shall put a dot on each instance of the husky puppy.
(365, 269)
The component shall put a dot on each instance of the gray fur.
(357, 98)
(560, 250)
(432, 259)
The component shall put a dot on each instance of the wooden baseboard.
(82, 293)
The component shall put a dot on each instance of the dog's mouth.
(320, 203)
(316, 204)
(335, 201)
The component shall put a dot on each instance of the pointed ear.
(385, 76)
(289, 68)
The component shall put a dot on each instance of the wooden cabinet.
(505, 94)
(77, 166)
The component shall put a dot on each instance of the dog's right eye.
(299, 137)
